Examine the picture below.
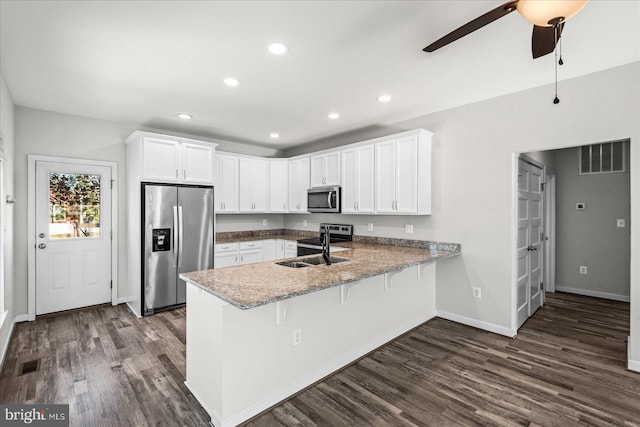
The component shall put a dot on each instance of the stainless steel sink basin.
(319, 260)
(293, 264)
(309, 262)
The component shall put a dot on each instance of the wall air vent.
(607, 157)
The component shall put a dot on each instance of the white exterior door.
(530, 294)
(73, 236)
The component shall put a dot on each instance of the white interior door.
(530, 295)
(73, 235)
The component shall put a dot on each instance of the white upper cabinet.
(403, 175)
(325, 169)
(227, 183)
(358, 180)
(278, 185)
(197, 161)
(164, 158)
(254, 185)
(298, 185)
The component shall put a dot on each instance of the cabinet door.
(407, 175)
(250, 256)
(349, 181)
(280, 249)
(225, 259)
(161, 160)
(228, 184)
(385, 177)
(260, 185)
(332, 168)
(317, 171)
(298, 185)
(278, 183)
(268, 250)
(290, 249)
(365, 179)
(197, 163)
(246, 180)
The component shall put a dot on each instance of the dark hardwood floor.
(567, 367)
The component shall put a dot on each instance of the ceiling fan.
(547, 16)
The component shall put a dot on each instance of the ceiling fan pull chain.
(560, 62)
(556, 100)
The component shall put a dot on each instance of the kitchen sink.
(309, 262)
(319, 260)
(293, 264)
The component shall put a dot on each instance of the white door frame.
(550, 231)
(31, 223)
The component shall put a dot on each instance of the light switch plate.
(370, 227)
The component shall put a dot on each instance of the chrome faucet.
(325, 246)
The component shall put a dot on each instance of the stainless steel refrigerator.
(177, 223)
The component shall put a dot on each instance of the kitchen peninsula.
(259, 333)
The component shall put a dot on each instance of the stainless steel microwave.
(324, 199)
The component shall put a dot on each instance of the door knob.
(42, 246)
(41, 235)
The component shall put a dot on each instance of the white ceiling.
(143, 62)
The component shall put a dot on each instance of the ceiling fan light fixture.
(546, 13)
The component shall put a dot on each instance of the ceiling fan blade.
(471, 26)
(543, 40)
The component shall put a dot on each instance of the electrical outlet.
(297, 336)
(620, 223)
(304, 223)
(477, 292)
(265, 222)
(370, 227)
(583, 269)
(408, 228)
(580, 206)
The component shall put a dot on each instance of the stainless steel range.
(337, 232)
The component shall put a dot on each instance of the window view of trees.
(74, 205)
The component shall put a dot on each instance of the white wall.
(472, 180)
(55, 134)
(7, 111)
(591, 237)
(247, 222)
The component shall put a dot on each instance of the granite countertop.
(223, 239)
(253, 285)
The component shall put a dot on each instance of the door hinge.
(111, 234)
(112, 183)
(542, 187)
(541, 286)
(111, 284)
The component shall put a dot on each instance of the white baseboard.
(122, 300)
(632, 365)
(5, 347)
(22, 318)
(588, 293)
(313, 377)
(486, 326)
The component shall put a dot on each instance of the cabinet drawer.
(226, 247)
(255, 244)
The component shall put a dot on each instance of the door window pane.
(74, 205)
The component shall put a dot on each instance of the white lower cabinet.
(250, 252)
(290, 249)
(241, 253)
(226, 255)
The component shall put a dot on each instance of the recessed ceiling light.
(333, 116)
(274, 135)
(278, 48)
(185, 116)
(384, 98)
(230, 81)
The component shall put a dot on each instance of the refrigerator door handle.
(175, 235)
(180, 238)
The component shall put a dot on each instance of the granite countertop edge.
(440, 256)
